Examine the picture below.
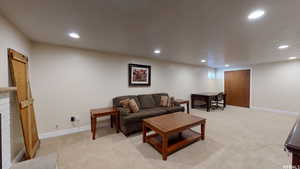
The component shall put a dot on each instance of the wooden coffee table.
(172, 131)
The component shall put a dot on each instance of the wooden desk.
(292, 144)
(101, 112)
(207, 97)
(187, 102)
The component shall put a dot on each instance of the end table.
(101, 112)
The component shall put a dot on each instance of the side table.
(101, 112)
(187, 102)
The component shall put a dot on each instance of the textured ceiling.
(186, 31)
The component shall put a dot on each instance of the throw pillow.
(164, 101)
(125, 103)
(133, 106)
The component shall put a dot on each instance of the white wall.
(277, 86)
(274, 86)
(10, 37)
(69, 81)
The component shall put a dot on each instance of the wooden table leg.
(91, 124)
(208, 104)
(192, 102)
(165, 147)
(202, 131)
(188, 107)
(180, 134)
(94, 123)
(144, 133)
(224, 100)
(117, 122)
(111, 121)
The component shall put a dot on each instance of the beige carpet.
(236, 138)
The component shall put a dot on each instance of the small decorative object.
(139, 75)
(172, 101)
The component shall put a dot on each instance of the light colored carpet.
(236, 138)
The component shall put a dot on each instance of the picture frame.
(139, 75)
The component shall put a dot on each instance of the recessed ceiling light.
(157, 51)
(292, 58)
(74, 35)
(203, 61)
(283, 46)
(256, 14)
(227, 65)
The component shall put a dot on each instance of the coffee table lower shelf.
(175, 141)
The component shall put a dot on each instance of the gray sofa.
(149, 107)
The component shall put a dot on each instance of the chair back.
(220, 96)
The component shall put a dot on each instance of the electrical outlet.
(74, 118)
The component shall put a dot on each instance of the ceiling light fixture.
(203, 61)
(292, 58)
(74, 35)
(227, 65)
(256, 14)
(157, 51)
(283, 46)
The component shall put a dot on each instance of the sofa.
(149, 106)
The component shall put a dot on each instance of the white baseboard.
(64, 132)
(57, 133)
(275, 110)
(8, 166)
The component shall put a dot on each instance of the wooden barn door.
(19, 72)
(237, 88)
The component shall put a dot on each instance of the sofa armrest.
(123, 111)
(176, 103)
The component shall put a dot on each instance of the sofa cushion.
(146, 101)
(157, 98)
(116, 100)
(144, 113)
(174, 109)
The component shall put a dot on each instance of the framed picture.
(139, 75)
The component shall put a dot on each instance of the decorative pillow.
(164, 101)
(133, 106)
(125, 103)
